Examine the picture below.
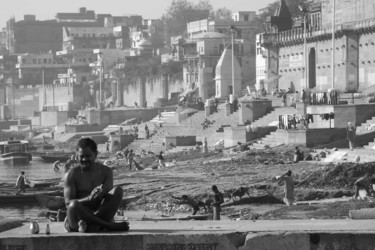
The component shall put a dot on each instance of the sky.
(149, 9)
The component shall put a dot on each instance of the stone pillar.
(228, 109)
(120, 97)
(164, 85)
(97, 98)
(142, 92)
(202, 84)
(114, 91)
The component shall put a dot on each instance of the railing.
(296, 34)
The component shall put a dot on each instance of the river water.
(34, 169)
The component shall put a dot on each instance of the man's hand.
(97, 192)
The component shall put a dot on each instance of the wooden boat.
(24, 198)
(54, 156)
(42, 183)
(14, 151)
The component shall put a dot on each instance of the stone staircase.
(190, 126)
(366, 127)
(274, 116)
(272, 140)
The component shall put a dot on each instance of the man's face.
(86, 157)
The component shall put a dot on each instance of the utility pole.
(333, 43)
(44, 88)
(100, 59)
(233, 29)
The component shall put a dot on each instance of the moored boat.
(24, 198)
(14, 151)
(43, 183)
(56, 156)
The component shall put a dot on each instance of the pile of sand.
(340, 175)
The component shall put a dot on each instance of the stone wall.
(153, 90)
(353, 113)
(107, 117)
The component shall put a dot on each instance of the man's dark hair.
(185, 197)
(289, 173)
(214, 187)
(22, 172)
(87, 143)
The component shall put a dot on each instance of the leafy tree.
(222, 13)
(181, 12)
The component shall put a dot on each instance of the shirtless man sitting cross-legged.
(90, 197)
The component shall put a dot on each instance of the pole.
(44, 88)
(100, 79)
(14, 103)
(333, 43)
(305, 48)
(233, 64)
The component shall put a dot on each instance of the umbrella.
(188, 111)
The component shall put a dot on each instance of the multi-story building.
(83, 15)
(32, 36)
(296, 63)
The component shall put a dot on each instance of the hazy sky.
(47, 9)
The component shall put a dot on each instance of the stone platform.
(204, 235)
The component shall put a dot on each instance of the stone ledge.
(204, 235)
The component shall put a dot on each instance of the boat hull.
(16, 157)
(24, 198)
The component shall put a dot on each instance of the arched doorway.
(312, 68)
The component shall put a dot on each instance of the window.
(93, 35)
(39, 60)
(23, 60)
(34, 61)
(45, 60)
(246, 17)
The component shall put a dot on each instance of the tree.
(222, 13)
(181, 12)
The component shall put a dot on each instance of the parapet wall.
(194, 241)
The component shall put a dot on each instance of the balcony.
(298, 33)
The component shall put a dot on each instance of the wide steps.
(274, 116)
(366, 127)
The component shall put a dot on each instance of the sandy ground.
(193, 173)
